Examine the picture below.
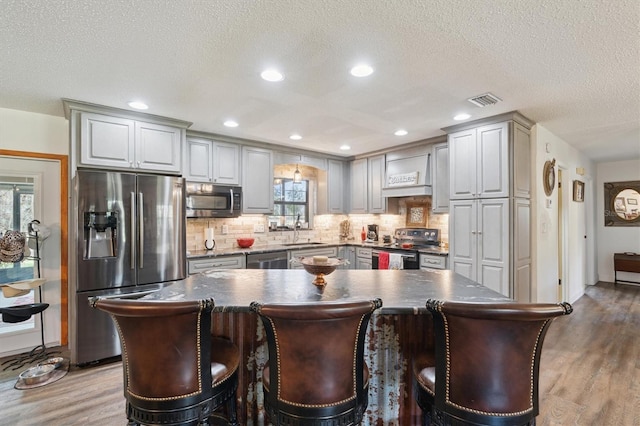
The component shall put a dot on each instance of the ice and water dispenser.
(100, 234)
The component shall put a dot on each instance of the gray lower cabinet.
(431, 261)
(219, 262)
(363, 258)
(348, 253)
(324, 251)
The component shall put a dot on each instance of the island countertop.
(402, 292)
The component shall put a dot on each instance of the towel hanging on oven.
(396, 261)
(383, 260)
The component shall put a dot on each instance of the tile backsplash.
(326, 228)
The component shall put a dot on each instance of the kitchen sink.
(313, 243)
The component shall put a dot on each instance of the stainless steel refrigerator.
(129, 234)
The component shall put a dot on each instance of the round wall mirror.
(549, 177)
(622, 203)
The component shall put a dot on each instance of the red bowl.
(245, 242)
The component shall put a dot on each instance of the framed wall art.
(578, 191)
(416, 215)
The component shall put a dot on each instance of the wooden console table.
(626, 262)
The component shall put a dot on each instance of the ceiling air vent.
(484, 100)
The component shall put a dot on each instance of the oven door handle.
(406, 256)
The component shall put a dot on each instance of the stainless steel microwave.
(208, 200)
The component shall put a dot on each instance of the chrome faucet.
(296, 230)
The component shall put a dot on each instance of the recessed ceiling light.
(295, 137)
(462, 116)
(138, 105)
(272, 74)
(361, 70)
(345, 147)
(400, 132)
(230, 123)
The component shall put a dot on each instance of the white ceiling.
(573, 66)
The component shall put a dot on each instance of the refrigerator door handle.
(133, 230)
(141, 219)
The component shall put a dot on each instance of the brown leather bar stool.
(316, 374)
(486, 365)
(175, 372)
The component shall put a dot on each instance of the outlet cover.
(258, 227)
(225, 229)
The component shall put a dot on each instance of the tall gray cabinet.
(489, 207)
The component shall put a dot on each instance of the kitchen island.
(400, 329)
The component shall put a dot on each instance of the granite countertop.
(402, 292)
(193, 254)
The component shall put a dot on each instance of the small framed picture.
(578, 191)
(416, 215)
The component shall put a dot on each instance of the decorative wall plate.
(549, 177)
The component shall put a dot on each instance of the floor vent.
(484, 100)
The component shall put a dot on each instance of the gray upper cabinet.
(212, 161)
(490, 161)
(332, 188)
(118, 142)
(440, 197)
(367, 181)
(376, 167)
(257, 180)
(359, 187)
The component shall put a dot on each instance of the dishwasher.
(271, 260)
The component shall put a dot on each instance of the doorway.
(39, 183)
(562, 237)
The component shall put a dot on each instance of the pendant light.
(297, 176)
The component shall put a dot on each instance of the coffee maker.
(372, 232)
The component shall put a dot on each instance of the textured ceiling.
(572, 66)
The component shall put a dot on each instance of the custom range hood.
(408, 173)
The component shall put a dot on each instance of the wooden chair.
(175, 372)
(486, 365)
(316, 374)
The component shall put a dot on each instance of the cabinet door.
(462, 164)
(226, 163)
(158, 147)
(359, 186)
(336, 186)
(197, 167)
(463, 238)
(493, 161)
(106, 141)
(493, 245)
(257, 180)
(521, 252)
(376, 173)
(440, 197)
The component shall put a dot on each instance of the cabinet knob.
(138, 164)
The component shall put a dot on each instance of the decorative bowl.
(37, 374)
(320, 268)
(245, 242)
(406, 245)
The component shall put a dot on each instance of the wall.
(578, 221)
(26, 131)
(614, 239)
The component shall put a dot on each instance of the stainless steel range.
(407, 243)
(418, 237)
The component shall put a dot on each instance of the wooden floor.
(590, 373)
